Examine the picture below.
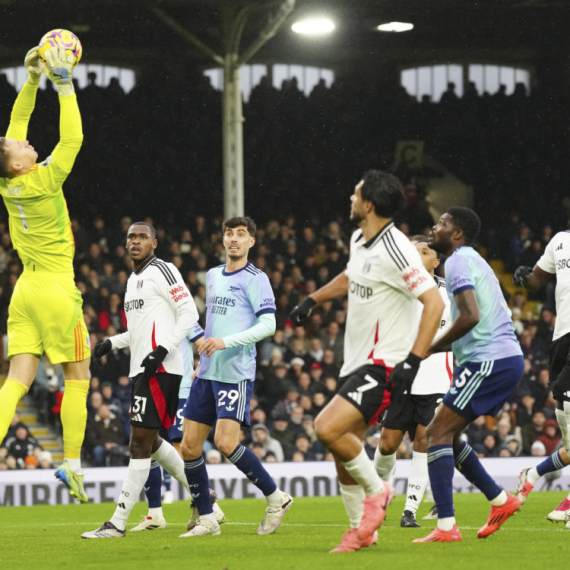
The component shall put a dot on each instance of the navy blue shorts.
(481, 388)
(175, 430)
(210, 400)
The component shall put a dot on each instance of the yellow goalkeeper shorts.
(45, 315)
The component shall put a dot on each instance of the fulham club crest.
(367, 266)
(139, 284)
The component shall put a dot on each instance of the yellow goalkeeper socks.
(10, 394)
(74, 417)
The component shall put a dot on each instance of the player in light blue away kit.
(240, 312)
(153, 487)
(490, 367)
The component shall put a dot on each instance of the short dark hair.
(149, 226)
(4, 158)
(466, 220)
(419, 238)
(385, 191)
(237, 221)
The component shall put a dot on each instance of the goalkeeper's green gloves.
(59, 69)
(32, 63)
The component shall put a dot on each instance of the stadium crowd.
(307, 163)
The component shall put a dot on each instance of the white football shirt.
(155, 293)
(556, 260)
(436, 372)
(386, 276)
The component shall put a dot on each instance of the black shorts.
(154, 402)
(411, 411)
(367, 390)
(559, 368)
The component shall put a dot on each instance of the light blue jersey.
(188, 359)
(233, 302)
(494, 336)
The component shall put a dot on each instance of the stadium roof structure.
(130, 31)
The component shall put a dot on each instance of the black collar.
(143, 267)
(372, 240)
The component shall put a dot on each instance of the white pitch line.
(286, 524)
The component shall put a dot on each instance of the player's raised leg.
(74, 416)
(340, 427)
(23, 368)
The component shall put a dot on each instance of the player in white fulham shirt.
(415, 411)
(382, 353)
(160, 313)
(555, 261)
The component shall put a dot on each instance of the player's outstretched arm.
(26, 100)
(338, 287)
(59, 70)
(531, 279)
(468, 319)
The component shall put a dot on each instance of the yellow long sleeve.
(70, 134)
(21, 112)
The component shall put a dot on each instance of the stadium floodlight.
(313, 26)
(395, 27)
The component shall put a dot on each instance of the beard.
(442, 245)
(356, 218)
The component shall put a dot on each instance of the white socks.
(363, 472)
(156, 512)
(74, 465)
(418, 480)
(274, 500)
(532, 476)
(500, 499)
(446, 523)
(170, 459)
(352, 497)
(137, 474)
(386, 465)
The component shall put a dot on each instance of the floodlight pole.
(234, 21)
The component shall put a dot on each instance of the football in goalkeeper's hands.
(64, 38)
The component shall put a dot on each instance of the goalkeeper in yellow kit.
(45, 313)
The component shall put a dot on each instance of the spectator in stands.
(525, 410)
(550, 436)
(283, 434)
(532, 431)
(113, 314)
(538, 449)
(109, 399)
(45, 460)
(94, 403)
(22, 445)
(285, 407)
(260, 435)
(105, 436)
(14, 425)
(332, 339)
(303, 444)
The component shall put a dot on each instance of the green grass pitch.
(49, 537)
